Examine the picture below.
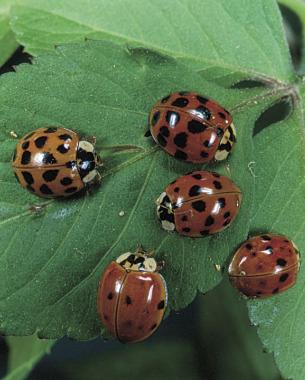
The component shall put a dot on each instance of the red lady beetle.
(265, 265)
(55, 162)
(199, 203)
(132, 297)
(192, 127)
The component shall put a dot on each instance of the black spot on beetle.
(283, 277)
(184, 218)
(63, 148)
(128, 300)
(155, 118)
(207, 143)
(65, 137)
(222, 115)
(165, 99)
(66, 181)
(50, 130)
(161, 140)
(203, 112)
(197, 176)
(40, 141)
(227, 222)
(161, 305)
(281, 262)
(202, 99)
(269, 249)
(29, 135)
(195, 126)
(164, 131)
(226, 214)
(204, 154)
(105, 317)
(258, 293)
(110, 296)
(28, 177)
(50, 175)
(45, 189)
(248, 246)
(71, 190)
(181, 140)
(176, 189)
(48, 158)
(25, 145)
(71, 164)
(221, 202)
(26, 157)
(199, 206)
(186, 229)
(194, 191)
(209, 221)
(180, 102)
(217, 185)
(180, 155)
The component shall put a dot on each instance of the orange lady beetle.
(132, 296)
(192, 128)
(265, 265)
(55, 162)
(199, 203)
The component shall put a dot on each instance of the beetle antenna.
(140, 249)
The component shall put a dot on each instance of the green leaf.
(24, 354)
(51, 262)
(8, 43)
(298, 7)
(279, 207)
(232, 348)
(221, 39)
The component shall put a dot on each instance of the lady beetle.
(199, 203)
(132, 296)
(192, 128)
(265, 265)
(55, 162)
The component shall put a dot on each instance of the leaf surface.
(8, 43)
(279, 207)
(51, 262)
(24, 354)
(221, 39)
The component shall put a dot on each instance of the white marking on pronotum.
(86, 145)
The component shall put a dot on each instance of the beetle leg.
(160, 265)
